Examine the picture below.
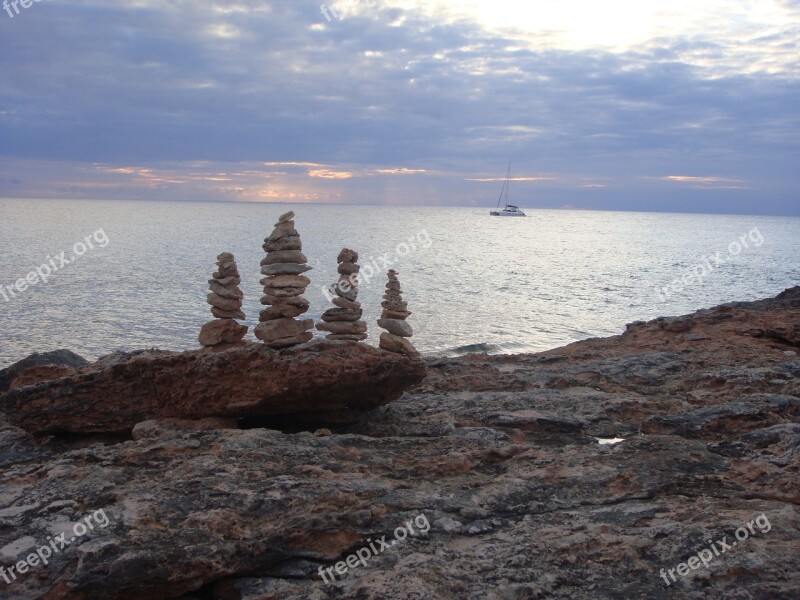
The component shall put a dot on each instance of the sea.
(100, 276)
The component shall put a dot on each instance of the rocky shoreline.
(499, 455)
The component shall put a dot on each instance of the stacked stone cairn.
(344, 322)
(393, 319)
(284, 285)
(226, 304)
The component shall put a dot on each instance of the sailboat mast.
(508, 181)
(505, 187)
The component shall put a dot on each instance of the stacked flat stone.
(344, 322)
(393, 319)
(284, 285)
(226, 304)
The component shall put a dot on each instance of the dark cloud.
(148, 85)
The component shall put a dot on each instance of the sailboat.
(510, 210)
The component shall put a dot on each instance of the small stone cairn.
(226, 304)
(284, 285)
(393, 319)
(344, 322)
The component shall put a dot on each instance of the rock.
(281, 292)
(282, 311)
(226, 302)
(342, 314)
(491, 460)
(226, 281)
(348, 293)
(269, 331)
(348, 269)
(394, 343)
(285, 281)
(349, 327)
(396, 327)
(221, 331)
(287, 216)
(227, 314)
(223, 303)
(347, 256)
(293, 300)
(344, 320)
(284, 269)
(283, 288)
(291, 341)
(285, 256)
(126, 389)
(165, 429)
(226, 291)
(395, 306)
(34, 375)
(282, 230)
(64, 359)
(345, 303)
(390, 314)
(735, 416)
(283, 244)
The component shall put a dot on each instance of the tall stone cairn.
(284, 285)
(393, 319)
(344, 321)
(226, 304)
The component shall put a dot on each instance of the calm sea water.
(501, 284)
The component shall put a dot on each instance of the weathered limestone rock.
(268, 331)
(395, 343)
(221, 331)
(115, 393)
(492, 460)
(41, 366)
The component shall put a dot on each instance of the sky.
(680, 106)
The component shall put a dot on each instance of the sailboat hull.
(507, 213)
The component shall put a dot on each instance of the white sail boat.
(510, 210)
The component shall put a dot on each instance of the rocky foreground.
(487, 476)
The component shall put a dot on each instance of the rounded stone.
(269, 331)
(223, 303)
(396, 327)
(341, 314)
(284, 269)
(347, 256)
(221, 331)
(394, 343)
(343, 327)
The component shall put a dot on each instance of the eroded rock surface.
(500, 455)
(119, 391)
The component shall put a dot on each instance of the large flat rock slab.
(121, 390)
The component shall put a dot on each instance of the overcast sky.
(687, 106)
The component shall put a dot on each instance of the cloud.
(724, 183)
(252, 100)
(329, 174)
